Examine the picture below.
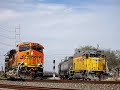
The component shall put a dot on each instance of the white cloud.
(52, 7)
(8, 14)
(55, 23)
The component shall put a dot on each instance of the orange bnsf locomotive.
(26, 61)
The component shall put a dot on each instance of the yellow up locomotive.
(89, 64)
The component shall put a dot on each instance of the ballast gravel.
(77, 86)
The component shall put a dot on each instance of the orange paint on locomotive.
(31, 54)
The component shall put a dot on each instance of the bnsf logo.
(35, 57)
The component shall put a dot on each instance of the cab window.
(37, 48)
(24, 48)
(95, 55)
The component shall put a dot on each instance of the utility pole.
(17, 35)
(97, 46)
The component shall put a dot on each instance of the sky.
(60, 25)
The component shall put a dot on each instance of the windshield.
(24, 48)
(95, 55)
(37, 48)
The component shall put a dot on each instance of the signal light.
(54, 67)
(53, 61)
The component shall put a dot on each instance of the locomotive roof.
(25, 43)
(92, 51)
(83, 52)
(66, 59)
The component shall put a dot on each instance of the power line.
(17, 35)
(58, 54)
(3, 29)
(6, 44)
(6, 37)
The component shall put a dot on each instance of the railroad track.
(17, 87)
(60, 85)
(70, 81)
(74, 81)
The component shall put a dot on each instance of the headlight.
(25, 63)
(32, 53)
(38, 64)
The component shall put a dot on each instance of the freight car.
(26, 61)
(85, 65)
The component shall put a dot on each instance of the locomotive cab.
(31, 54)
(95, 61)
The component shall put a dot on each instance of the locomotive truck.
(85, 65)
(25, 61)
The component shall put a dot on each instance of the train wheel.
(40, 76)
(88, 79)
(33, 75)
